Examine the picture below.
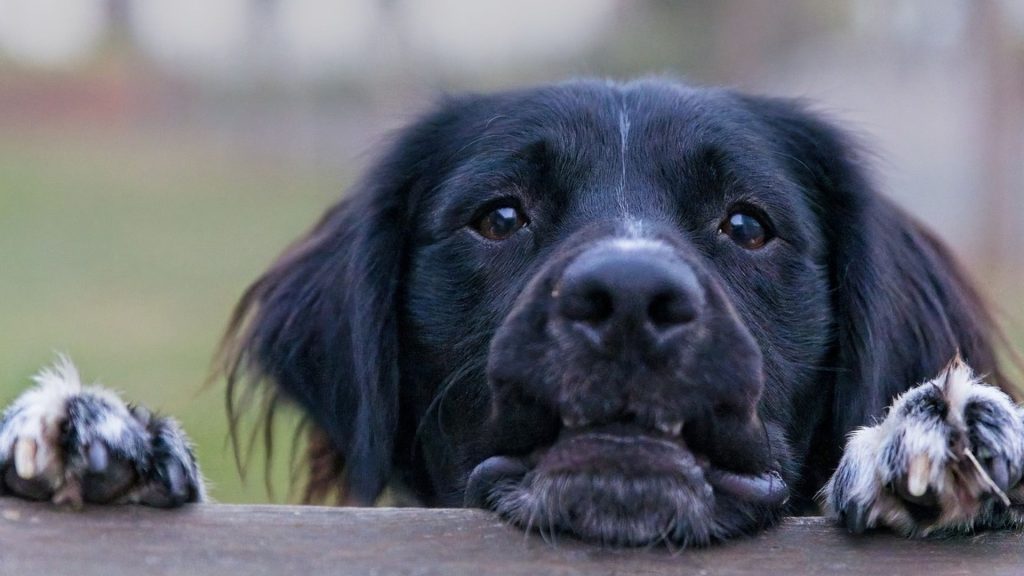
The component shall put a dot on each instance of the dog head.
(630, 312)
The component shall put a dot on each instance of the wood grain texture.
(223, 540)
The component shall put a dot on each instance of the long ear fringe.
(246, 383)
(248, 394)
(905, 306)
(319, 328)
(315, 467)
(318, 471)
(324, 466)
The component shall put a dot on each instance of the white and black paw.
(948, 457)
(69, 443)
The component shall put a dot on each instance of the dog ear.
(903, 307)
(320, 324)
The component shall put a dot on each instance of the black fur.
(421, 349)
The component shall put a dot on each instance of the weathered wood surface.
(36, 539)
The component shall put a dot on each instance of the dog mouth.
(615, 421)
(618, 483)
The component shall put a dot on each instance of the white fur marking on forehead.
(634, 228)
(623, 146)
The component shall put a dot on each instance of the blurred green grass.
(128, 254)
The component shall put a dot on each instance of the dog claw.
(177, 484)
(25, 458)
(855, 518)
(98, 457)
(671, 427)
(918, 475)
(573, 421)
(999, 472)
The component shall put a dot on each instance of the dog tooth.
(918, 474)
(670, 427)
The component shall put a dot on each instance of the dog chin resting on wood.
(631, 313)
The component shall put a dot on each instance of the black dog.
(630, 312)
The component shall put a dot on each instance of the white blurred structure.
(192, 35)
(51, 33)
(313, 38)
(491, 33)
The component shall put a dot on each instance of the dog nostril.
(667, 310)
(593, 306)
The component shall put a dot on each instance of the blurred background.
(155, 155)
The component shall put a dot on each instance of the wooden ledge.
(224, 540)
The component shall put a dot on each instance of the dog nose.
(628, 291)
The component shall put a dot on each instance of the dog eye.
(500, 223)
(746, 229)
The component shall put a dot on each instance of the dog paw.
(68, 443)
(948, 457)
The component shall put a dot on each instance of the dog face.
(627, 312)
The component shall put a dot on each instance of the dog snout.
(629, 294)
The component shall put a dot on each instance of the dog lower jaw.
(622, 491)
(611, 510)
